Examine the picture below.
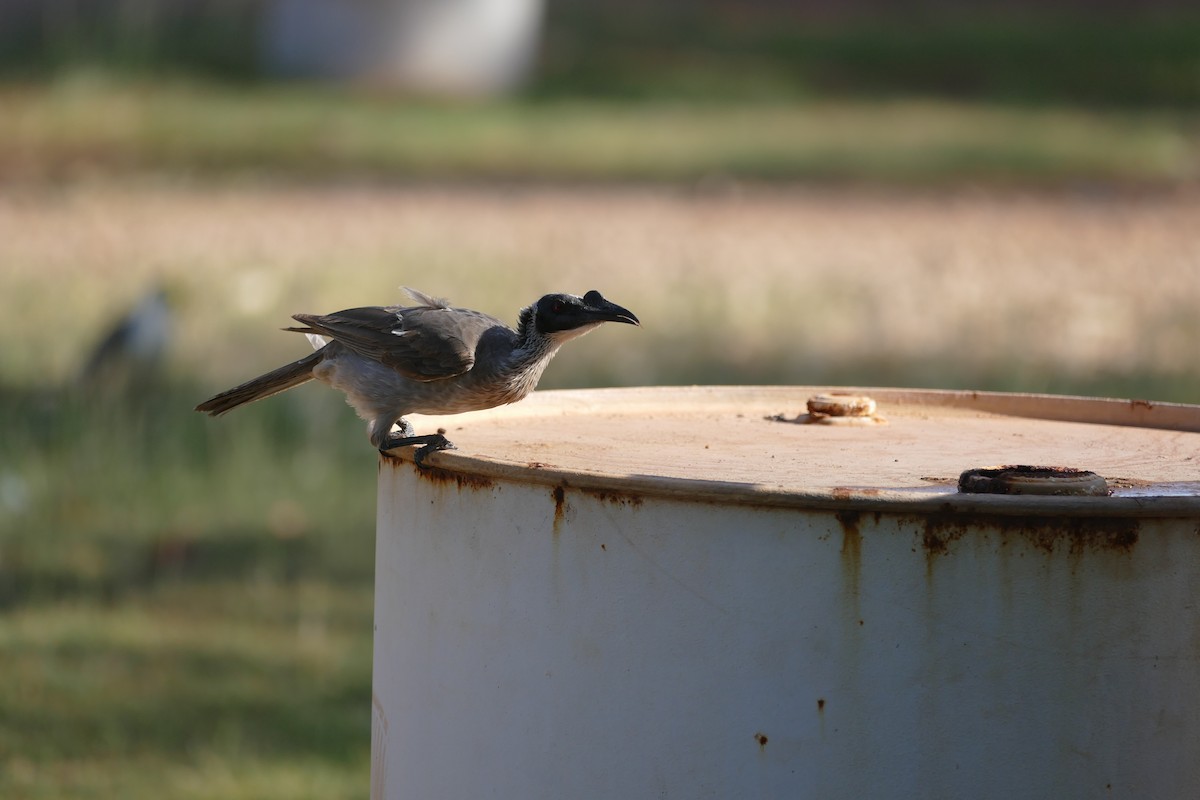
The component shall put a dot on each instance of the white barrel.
(708, 592)
(457, 48)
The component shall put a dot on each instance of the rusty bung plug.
(1022, 479)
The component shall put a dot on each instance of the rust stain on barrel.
(463, 480)
(559, 494)
(628, 499)
(851, 551)
(1076, 536)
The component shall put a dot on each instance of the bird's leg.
(406, 437)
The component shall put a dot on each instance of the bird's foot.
(437, 442)
(431, 443)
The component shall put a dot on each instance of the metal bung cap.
(1089, 457)
(1057, 481)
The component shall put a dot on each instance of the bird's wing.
(423, 343)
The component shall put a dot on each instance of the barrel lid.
(908, 449)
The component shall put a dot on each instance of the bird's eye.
(558, 307)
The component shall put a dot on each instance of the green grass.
(165, 633)
(991, 51)
(87, 126)
(196, 689)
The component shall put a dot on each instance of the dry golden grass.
(763, 284)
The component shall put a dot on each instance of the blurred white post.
(442, 47)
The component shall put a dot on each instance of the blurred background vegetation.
(970, 195)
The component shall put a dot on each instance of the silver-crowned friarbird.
(429, 358)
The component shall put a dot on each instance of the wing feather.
(424, 343)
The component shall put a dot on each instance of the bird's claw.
(437, 442)
(430, 443)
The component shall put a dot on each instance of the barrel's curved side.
(537, 640)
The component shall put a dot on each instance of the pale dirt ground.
(773, 284)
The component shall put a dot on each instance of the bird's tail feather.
(263, 386)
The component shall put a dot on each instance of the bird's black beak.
(602, 310)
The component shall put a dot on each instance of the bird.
(132, 350)
(427, 358)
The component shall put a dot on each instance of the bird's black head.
(556, 313)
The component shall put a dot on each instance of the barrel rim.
(474, 469)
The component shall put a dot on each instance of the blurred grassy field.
(185, 603)
(1116, 54)
(90, 125)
